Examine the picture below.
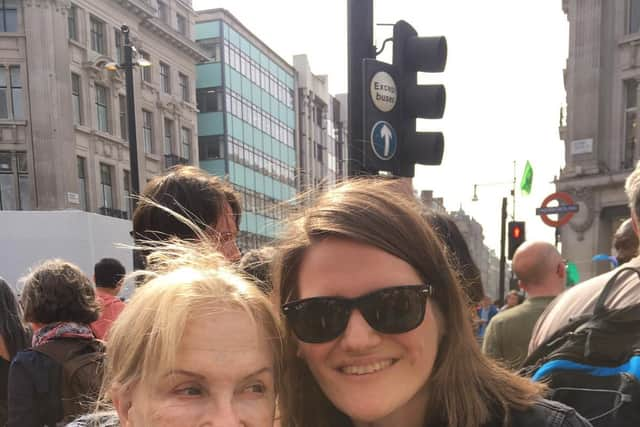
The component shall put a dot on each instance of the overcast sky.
(503, 81)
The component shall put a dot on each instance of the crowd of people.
(367, 311)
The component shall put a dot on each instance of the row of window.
(261, 204)
(8, 16)
(15, 193)
(107, 202)
(258, 75)
(181, 21)
(247, 241)
(257, 160)
(98, 37)
(103, 114)
(11, 93)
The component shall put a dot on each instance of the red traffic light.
(516, 232)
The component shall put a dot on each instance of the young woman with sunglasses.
(378, 331)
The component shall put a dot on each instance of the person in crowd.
(59, 303)
(486, 311)
(197, 345)
(541, 274)
(256, 263)
(513, 299)
(203, 199)
(581, 299)
(625, 242)
(108, 275)
(377, 325)
(14, 337)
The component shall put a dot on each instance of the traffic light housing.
(516, 236)
(413, 54)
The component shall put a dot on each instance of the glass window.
(122, 103)
(209, 99)
(76, 98)
(634, 16)
(212, 49)
(147, 131)
(631, 122)
(72, 22)
(210, 147)
(165, 78)
(127, 201)
(17, 94)
(145, 71)
(163, 12)
(184, 87)
(118, 44)
(106, 186)
(4, 94)
(82, 183)
(168, 136)
(102, 110)
(181, 24)
(7, 182)
(185, 142)
(97, 35)
(8, 16)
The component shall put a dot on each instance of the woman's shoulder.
(548, 413)
(102, 419)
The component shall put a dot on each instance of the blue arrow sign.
(384, 140)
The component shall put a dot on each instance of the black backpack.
(593, 363)
(82, 363)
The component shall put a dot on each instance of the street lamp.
(127, 66)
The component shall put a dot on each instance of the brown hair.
(471, 389)
(188, 191)
(57, 291)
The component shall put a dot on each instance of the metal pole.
(138, 262)
(360, 46)
(131, 114)
(503, 260)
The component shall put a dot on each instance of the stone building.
(600, 128)
(63, 120)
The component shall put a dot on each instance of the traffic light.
(516, 236)
(413, 54)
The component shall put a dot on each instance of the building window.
(181, 24)
(128, 200)
(634, 16)
(106, 185)
(165, 78)
(15, 192)
(163, 11)
(147, 131)
(631, 122)
(145, 71)
(97, 35)
(11, 93)
(102, 109)
(168, 136)
(209, 99)
(184, 86)
(76, 98)
(211, 48)
(118, 44)
(122, 102)
(8, 16)
(210, 147)
(72, 22)
(185, 142)
(82, 183)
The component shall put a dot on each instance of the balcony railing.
(171, 160)
(116, 213)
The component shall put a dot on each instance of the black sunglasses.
(394, 310)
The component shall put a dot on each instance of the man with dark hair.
(108, 275)
(541, 274)
(206, 200)
(625, 242)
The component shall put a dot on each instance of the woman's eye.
(257, 388)
(189, 391)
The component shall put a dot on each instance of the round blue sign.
(384, 140)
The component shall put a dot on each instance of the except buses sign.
(383, 91)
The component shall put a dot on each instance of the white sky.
(503, 80)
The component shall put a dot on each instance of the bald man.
(541, 274)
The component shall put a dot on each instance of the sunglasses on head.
(394, 310)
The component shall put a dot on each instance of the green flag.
(573, 276)
(527, 179)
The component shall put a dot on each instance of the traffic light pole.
(360, 46)
(503, 260)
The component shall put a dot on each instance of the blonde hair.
(187, 280)
(469, 388)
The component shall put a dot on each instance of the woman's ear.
(122, 403)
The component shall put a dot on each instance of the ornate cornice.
(174, 38)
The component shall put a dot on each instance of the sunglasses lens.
(395, 310)
(318, 320)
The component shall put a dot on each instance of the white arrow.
(386, 133)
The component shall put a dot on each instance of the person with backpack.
(59, 376)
